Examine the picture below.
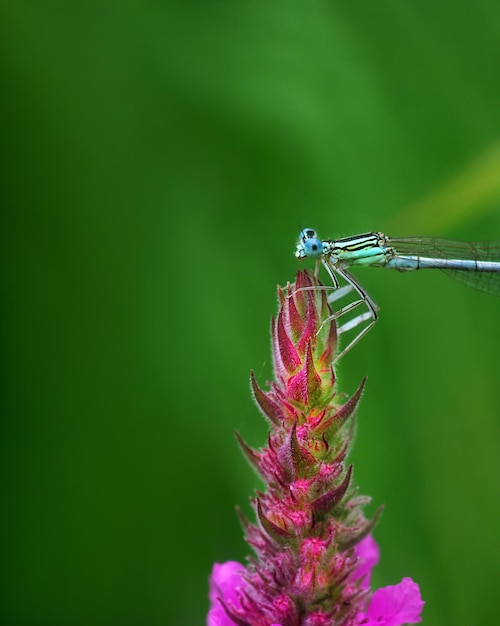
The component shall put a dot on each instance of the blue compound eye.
(313, 248)
(307, 233)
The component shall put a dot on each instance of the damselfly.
(475, 264)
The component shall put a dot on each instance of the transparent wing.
(462, 250)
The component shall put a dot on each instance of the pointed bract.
(305, 387)
(287, 352)
(302, 459)
(328, 501)
(251, 455)
(266, 404)
(273, 530)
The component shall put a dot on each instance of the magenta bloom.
(313, 549)
(390, 606)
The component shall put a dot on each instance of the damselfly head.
(307, 233)
(309, 246)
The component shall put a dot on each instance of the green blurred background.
(158, 160)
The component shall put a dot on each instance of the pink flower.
(389, 606)
(226, 583)
(312, 544)
(394, 605)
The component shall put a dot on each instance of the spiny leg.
(370, 314)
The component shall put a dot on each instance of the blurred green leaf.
(469, 194)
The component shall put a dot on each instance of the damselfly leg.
(368, 317)
(345, 296)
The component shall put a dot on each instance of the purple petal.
(395, 605)
(368, 553)
(224, 582)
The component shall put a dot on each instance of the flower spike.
(313, 550)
